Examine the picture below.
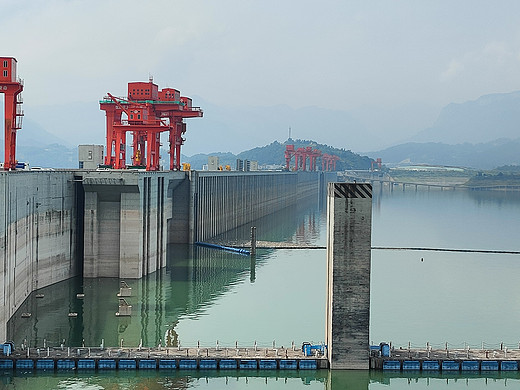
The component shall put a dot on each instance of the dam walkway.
(222, 358)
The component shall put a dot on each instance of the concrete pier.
(125, 229)
(349, 219)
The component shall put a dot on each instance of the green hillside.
(274, 154)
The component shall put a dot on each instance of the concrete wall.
(38, 235)
(126, 215)
(223, 201)
(349, 221)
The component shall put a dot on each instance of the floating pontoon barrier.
(225, 248)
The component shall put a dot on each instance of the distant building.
(240, 165)
(246, 165)
(90, 156)
(213, 163)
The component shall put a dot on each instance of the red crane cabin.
(8, 69)
(143, 91)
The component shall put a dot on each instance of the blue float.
(208, 364)
(167, 364)
(106, 364)
(470, 365)
(290, 364)
(86, 364)
(450, 365)
(65, 364)
(147, 364)
(24, 364)
(509, 365)
(267, 364)
(308, 364)
(228, 364)
(127, 364)
(489, 365)
(188, 364)
(411, 365)
(225, 248)
(431, 365)
(391, 365)
(6, 364)
(248, 364)
(45, 364)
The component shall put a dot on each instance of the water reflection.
(298, 224)
(194, 278)
(335, 380)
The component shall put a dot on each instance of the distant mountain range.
(481, 134)
(479, 156)
(486, 119)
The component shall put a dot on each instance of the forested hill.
(274, 154)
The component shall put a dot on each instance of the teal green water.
(206, 295)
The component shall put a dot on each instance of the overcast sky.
(363, 57)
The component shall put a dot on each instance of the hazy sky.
(377, 59)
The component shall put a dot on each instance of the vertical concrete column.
(349, 219)
(91, 243)
(193, 207)
(131, 237)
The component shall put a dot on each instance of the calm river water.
(205, 295)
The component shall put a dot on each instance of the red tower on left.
(11, 87)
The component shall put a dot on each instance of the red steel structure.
(377, 163)
(328, 162)
(149, 112)
(289, 153)
(302, 154)
(11, 87)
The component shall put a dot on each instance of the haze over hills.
(478, 121)
(487, 155)
(482, 133)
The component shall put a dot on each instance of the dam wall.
(39, 235)
(222, 201)
(126, 219)
(55, 225)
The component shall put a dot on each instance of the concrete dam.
(56, 225)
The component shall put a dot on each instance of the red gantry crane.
(149, 112)
(328, 162)
(11, 87)
(377, 163)
(302, 154)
